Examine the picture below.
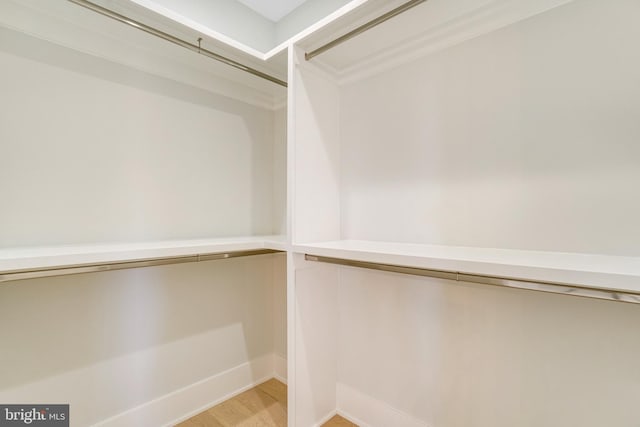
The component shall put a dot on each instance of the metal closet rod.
(361, 29)
(175, 40)
(508, 282)
(110, 266)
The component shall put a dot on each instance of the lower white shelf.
(595, 276)
(29, 262)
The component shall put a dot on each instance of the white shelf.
(611, 273)
(427, 28)
(35, 258)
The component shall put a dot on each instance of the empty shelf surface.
(616, 273)
(32, 258)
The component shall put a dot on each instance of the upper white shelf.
(429, 27)
(36, 258)
(71, 26)
(615, 273)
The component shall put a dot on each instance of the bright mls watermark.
(34, 415)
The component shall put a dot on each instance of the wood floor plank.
(230, 413)
(203, 419)
(338, 421)
(262, 406)
(275, 389)
(255, 400)
(268, 410)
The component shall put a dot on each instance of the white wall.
(523, 138)
(463, 355)
(280, 314)
(95, 152)
(280, 172)
(91, 151)
(109, 342)
(314, 144)
(315, 330)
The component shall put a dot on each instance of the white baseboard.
(367, 411)
(197, 397)
(280, 368)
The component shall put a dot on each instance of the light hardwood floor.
(263, 406)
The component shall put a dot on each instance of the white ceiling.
(273, 10)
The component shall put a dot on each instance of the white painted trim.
(265, 56)
(367, 411)
(188, 401)
(280, 103)
(604, 272)
(315, 27)
(33, 258)
(318, 69)
(291, 343)
(485, 19)
(280, 368)
(291, 271)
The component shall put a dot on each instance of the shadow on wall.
(523, 138)
(171, 325)
(554, 360)
(151, 158)
(53, 54)
(473, 355)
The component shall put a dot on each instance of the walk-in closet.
(385, 213)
